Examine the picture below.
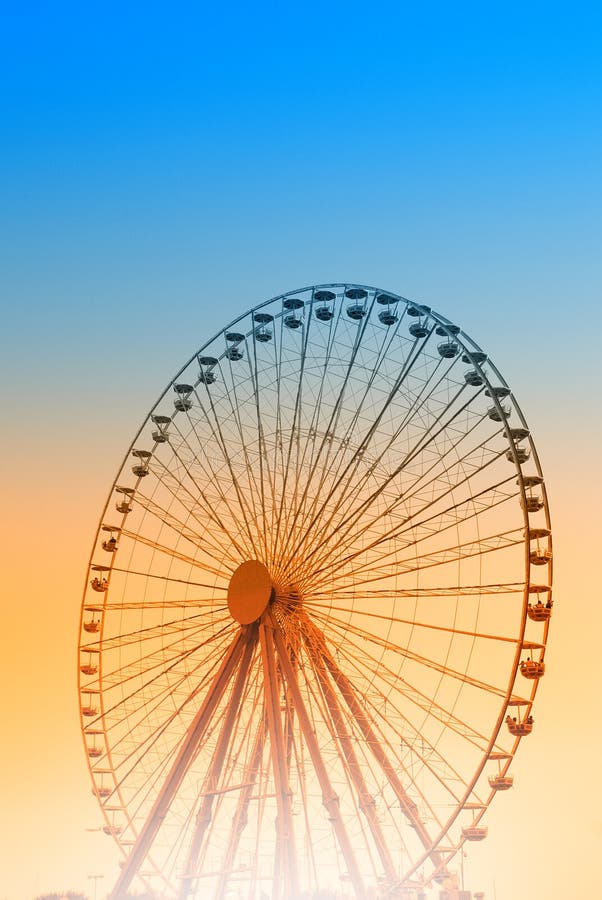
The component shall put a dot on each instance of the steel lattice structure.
(318, 605)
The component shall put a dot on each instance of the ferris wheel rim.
(460, 337)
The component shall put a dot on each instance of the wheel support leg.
(185, 755)
(242, 810)
(286, 884)
(329, 797)
(213, 775)
(408, 806)
(366, 800)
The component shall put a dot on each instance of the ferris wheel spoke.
(168, 578)
(338, 457)
(249, 512)
(301, 490)
(172, 552)
(254, 490)
(241, 815)
(444, 557)
(148, 663)
(348, 523)
(197, 603)
(347, 691)
(329, 796)
(282, 520)
(344, 487)
(265, 473)
(125, 705)
(210, 508)
(189, 501)
(356, 657)
(364, 613)
(285, 858)
(213, 774)
(454, 554)
(425, 661)
(155, 509)
(478, 503)
(272, 365)
(180, 765)
(420, 487)
(145, 793)
(325, 442)
(366, 800)
(354, 654)
(453, 590)
(147, 633)
(279, 438)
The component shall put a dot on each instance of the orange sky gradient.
(544, 835)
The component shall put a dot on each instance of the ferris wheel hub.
(249, 592)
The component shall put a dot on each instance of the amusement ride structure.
(317, 607)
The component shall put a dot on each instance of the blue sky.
(159, 163)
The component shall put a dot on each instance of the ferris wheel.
(317, 607)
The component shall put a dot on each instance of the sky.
(163, 168)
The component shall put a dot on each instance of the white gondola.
(448, 349)
(263, 334)
(124, 506)
(324, 311)
(418, 330)
(88, 669)
(446, 330)
(233, 351)
(357, 310)
(388, 316)
(533, 503)
(521, 454)
(540, 557)
(160, 435)
(499, 392)
(518, 434)
(518, 728)
(501, 782)
(111, 545)
(539, 612)
(532, 669)
(473, 378)
(498, 415)
(141, 468)
(474, 833)
(292, 320)
(99, 582)
(476, 357)
(207, 365)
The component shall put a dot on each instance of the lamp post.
(95, 878)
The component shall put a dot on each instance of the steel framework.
(317, 608)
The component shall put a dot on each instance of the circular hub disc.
(249, 591)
